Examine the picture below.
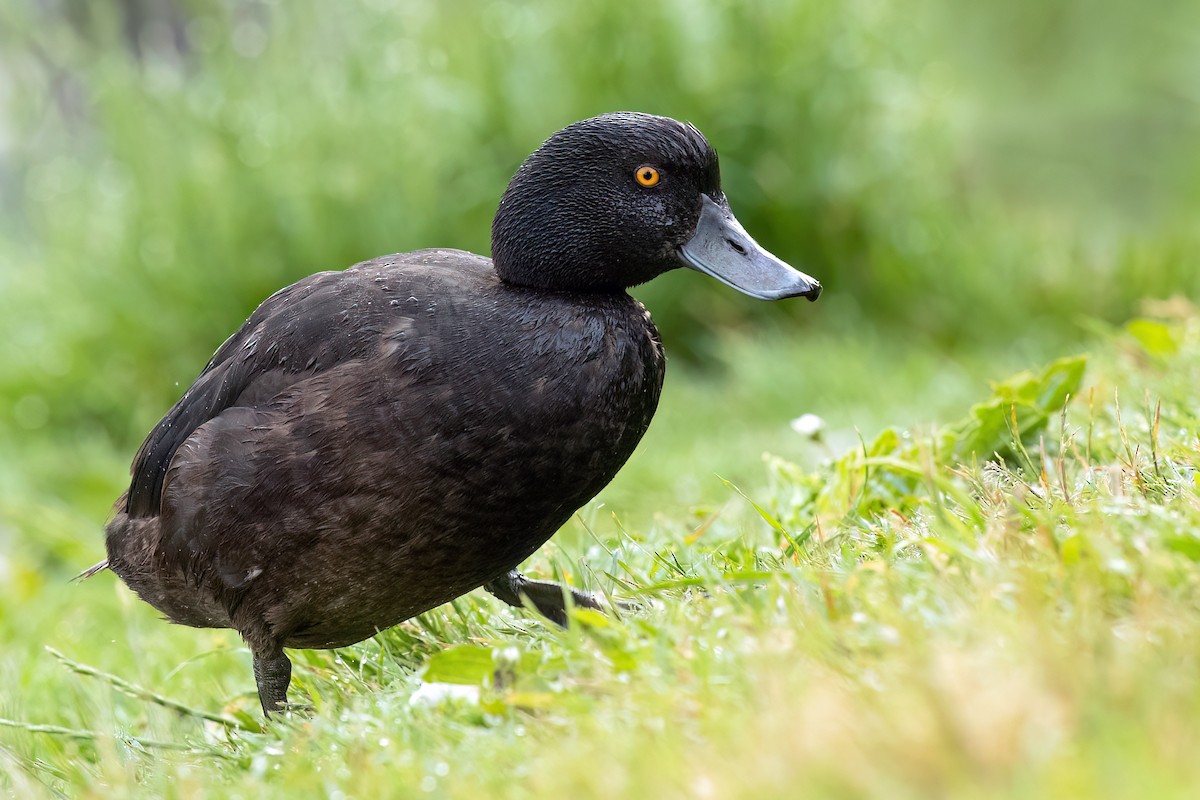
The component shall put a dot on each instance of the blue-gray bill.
(720, 247)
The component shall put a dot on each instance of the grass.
(910, 618)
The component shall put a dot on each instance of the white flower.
(436, 694)
(808, 425)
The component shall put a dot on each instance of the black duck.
(375, 442)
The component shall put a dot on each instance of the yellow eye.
(646, 176)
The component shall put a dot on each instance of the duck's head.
(613, 201)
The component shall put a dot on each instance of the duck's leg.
(272, 673)
(547, 597)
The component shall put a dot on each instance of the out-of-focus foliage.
(955, 172)
(889, 473)
(1016, 414)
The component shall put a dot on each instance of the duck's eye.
(646, 176)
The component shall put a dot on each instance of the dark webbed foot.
(548, 598)
(272, 674)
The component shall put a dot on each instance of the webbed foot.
(548, 597)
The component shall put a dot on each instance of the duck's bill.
(720, 247)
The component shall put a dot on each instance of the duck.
(377, 441)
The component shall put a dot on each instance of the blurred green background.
(975, 184)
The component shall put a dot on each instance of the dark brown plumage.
(376, 442)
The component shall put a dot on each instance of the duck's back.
(375, 442)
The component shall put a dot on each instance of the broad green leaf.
(465, 664)
(1187, 545)
(1017, 412)
(1072, 549)
(1156, 338)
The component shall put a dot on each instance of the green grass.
(911, 618)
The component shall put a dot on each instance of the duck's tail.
(92, 570)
